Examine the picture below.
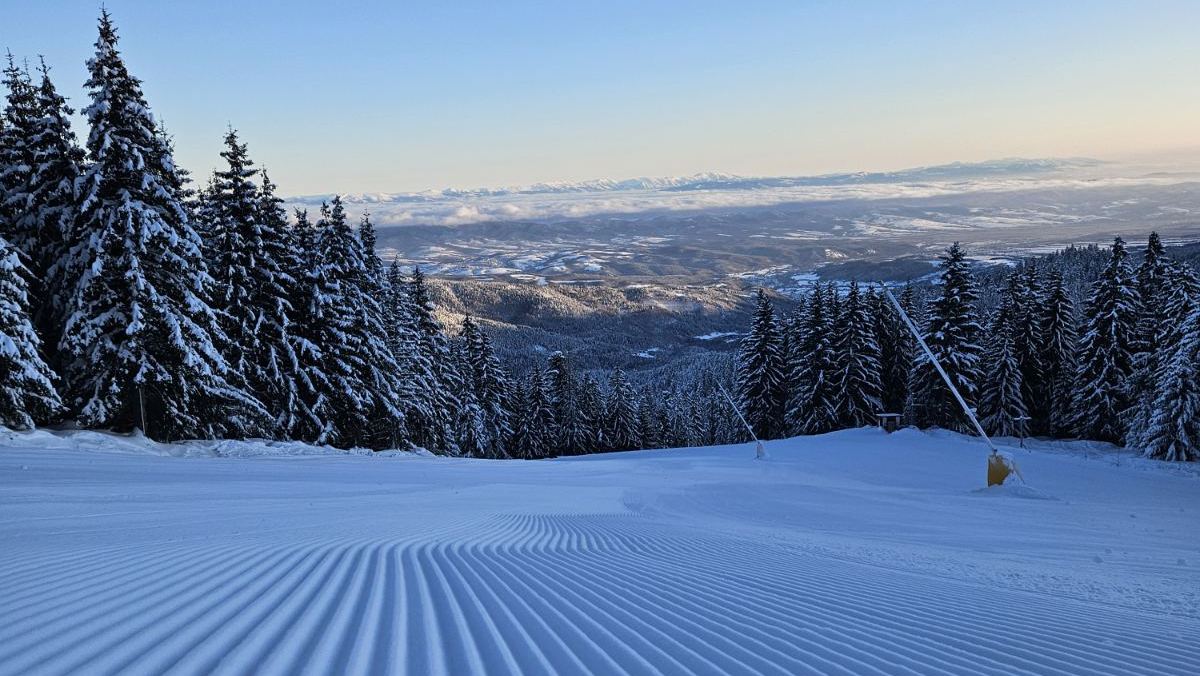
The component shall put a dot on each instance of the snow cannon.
(1000, 465)
(998, 469)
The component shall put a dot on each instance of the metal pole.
(142, 406)
(936, 364)
(759, 451)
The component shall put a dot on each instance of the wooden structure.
(889, 422)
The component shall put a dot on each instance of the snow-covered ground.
(855, 552)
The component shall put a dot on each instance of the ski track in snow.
(694, 561)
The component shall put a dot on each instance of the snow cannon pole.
(999, 466)
(759, 451)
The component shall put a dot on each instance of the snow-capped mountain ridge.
(715, 180)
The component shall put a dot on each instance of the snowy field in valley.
(855, 552)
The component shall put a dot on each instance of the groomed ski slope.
(855, 552)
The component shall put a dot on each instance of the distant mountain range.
(722, 181)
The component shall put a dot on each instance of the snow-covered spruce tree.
(1028, 300)
(1105, 363)
(621, 419)
(1149, 351)
(359, 370)
(570, 436)
(1173, 431)
(857, 356)
(591, 413)
(27, 393)
(1058, 343)
(952, 333)
(246, 239)
(50, 210)
(16, 166)
(760, 390)
(436, 431)
(140, 335)
(404, 341)
(1180, 288)
(537, 436)
(311, 382)
(812, 404)
(489, 386)
(387, 427)
(649, 432)
(895, 352)
(1001, 402)
(1150, 280)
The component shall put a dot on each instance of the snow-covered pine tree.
(952, 333)
(570, 437)
(360, 371)
(1028, 300)
(437, 431)
(539, 435)
(140, 334)
(49, 210)
(649, 434)
(251, 285)
(27, 393)
(1001, 403)
(1173, 431)
(518, 442)
(812, 403)
(1149, 352)
(1058, 342)
(895, 355)
(857, 356)
(1180, 288)
(1105, 364)
(1150, 280)
(621, 419)
(20, 117)
(489, 386)
(591, 413)
(404, 341)
(387, 425)
(312, 382)
(761, 382)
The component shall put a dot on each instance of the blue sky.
(392, 96)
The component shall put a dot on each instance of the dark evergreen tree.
(251, 286)
(17, 216)
(360, 371)
(539, 421)
(50, 211)
(952, 334)
(437, 431)
(415, 369)
(895, 352)
(1002, 410)
(857, 354)
(1173, 431)
(27, 393)
(1028, 300)
(140, 333)
(1058, 341)
(489, 387)
(621, 426)
(591, 414)
(1101, 395)
(761, 383)
(569, 435)
(812, 403)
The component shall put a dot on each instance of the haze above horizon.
(371, 97)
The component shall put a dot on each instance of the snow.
(850, 552)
